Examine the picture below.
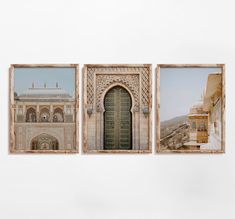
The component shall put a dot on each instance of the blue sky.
(180, 88)
(25, 76)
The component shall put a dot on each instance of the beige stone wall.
(91, 129)
(63, 132)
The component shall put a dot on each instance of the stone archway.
(31, 115)
(117, 119)
(58, 115)
(44, 115)
(44, 142)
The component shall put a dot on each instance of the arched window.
(44, 115)
(31, 115)
(44, 142)
(58, 115)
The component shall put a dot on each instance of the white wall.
(117, 186)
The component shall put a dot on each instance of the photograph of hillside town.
(191, 109)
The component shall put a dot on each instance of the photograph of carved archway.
(117, 108)
(44, 108)
(190, 108)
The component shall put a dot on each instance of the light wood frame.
(12, 106)
(86, 150)
(223, 97)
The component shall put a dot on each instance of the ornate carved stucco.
(64, 133)
(100, 78)
(145, 86)
(104, 81)
(58, 133)
(90, 85)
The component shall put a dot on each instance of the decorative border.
(88, 100)
(103, 81)
(223, 98)
(11, 108)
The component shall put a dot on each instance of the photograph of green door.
(117, 108)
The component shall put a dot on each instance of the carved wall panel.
(99, 78)
(104, 81)
(64, 133)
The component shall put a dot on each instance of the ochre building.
(205, 117)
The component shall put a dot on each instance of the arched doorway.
(117, 119)
(58, 115)
(44, 115)
(44, 142)
(31, 115)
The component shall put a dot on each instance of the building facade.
(213, 105)
(44, 119)
(198, 126)
(205, 118)
(117, 108)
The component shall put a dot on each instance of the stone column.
(64, 111)
(16, 113)
(51, 113)
(24, 112)
(37, 113)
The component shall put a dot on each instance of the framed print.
(44, 108)
(191, 108)
(117, 108)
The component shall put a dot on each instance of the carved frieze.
(105, 81)
(136, 79)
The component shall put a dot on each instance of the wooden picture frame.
(98, 81)
(72, 110)
(166, 149)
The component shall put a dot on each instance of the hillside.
(169, 125)
(174, 133)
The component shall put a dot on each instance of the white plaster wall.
(117, 186)
(214, 140)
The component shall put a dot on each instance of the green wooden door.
(117, 120)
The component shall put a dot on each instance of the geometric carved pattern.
(145, 86)
(129, 76)
(103, 81)
(44, 142)
(90, 87)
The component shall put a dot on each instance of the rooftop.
(44, 93)
(196, 108)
